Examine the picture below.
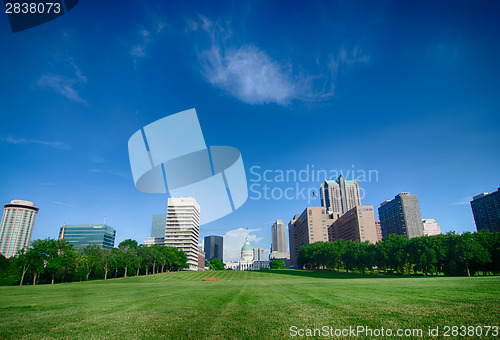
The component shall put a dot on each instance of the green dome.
(246, 246)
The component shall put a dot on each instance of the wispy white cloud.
(463, 201)
(234, 240)
(347, 58)
(109, 172)
(249, 74)
(98, 159)
(62, 85)
(54, 144)
(66, 85)
(139, 50)
(65, 204)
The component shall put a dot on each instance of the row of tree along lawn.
(49, 261)
(449, 254)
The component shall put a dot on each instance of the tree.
(62, 260)
(470, 251)
(392, 252)
(491, 243)
(162, 258)
(116, 260)
(23, 263)
(350, 256)
(88, 259)
(128, 255)
(128, 259)
(149, 256)
(37, 258)
(216, 264)
(367, 255)
(106, 261)
(175, 259)
(421, 253)
(128, 244)
(439, 245)
(156, 256)
(277, 264)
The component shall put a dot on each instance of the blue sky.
(408, 90)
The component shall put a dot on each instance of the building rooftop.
(336, 182)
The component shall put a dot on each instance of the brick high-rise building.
(306, 228)
(358, 224)
(378, 228)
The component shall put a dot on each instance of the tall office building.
(82, 235)
(201, 259)
(431, 227)
(17, 226)
(155, 241)
(401, 216)
(378, 228)
(158, 226)
(214, 248)
(258, 254)
(307, 228)
(358, 224)
(293, 239)
(340, 196)
(183, 227)
(486, 211)
(279, 244)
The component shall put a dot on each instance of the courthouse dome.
(247, 252)
(247, 246)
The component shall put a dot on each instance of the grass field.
(245, 305)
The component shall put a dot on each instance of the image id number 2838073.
(32, 7)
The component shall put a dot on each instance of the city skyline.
(411, 90)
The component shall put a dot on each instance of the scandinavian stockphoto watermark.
(171, 155)
(301, 184)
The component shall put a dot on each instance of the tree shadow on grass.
(327, 274)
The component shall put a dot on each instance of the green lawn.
(245, 305)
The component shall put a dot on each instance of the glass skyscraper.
(158, 226)
(82, 235)
(486, 211)
(213, 247)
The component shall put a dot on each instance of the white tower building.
(431, 227)
(183, 227)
